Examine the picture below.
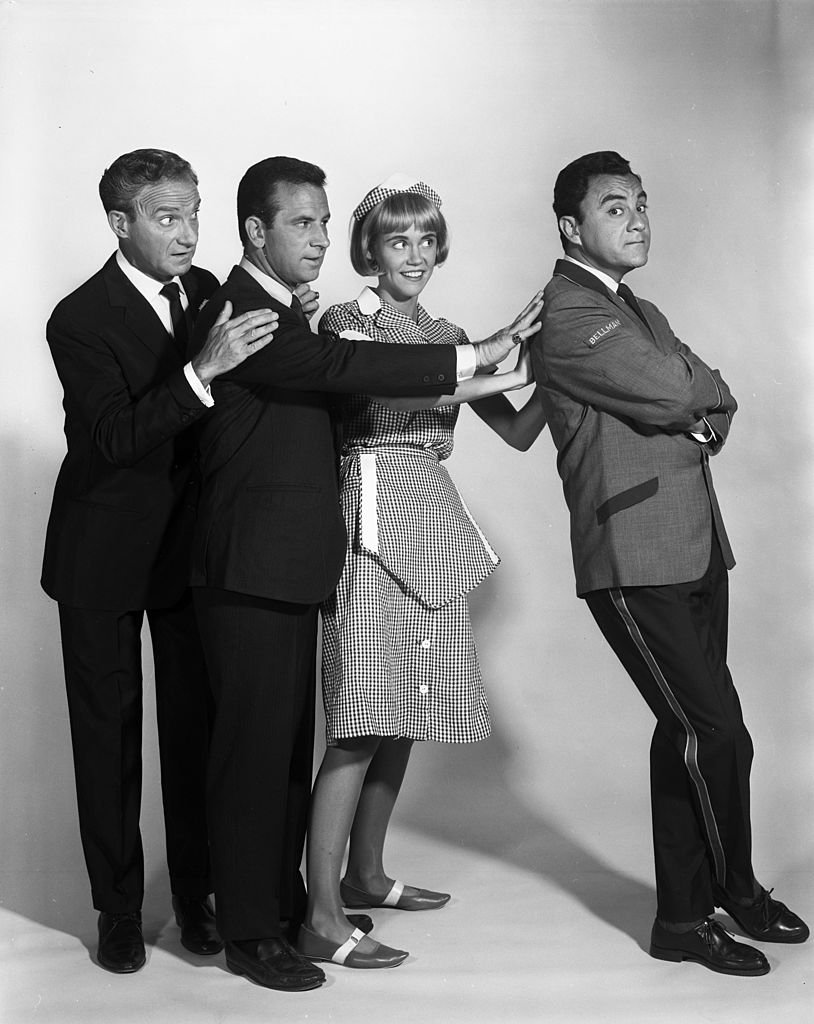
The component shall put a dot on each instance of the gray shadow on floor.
(472, 806)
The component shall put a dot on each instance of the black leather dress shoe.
(274, 964)
(708, 944)
(121, 944)
(764, 918)
(196, 919)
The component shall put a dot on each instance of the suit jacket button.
(442, 377)
(426, 380)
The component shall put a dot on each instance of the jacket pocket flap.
(626, 499)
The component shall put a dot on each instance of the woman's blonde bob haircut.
(395, 213)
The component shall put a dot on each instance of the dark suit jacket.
(269, 523)
(121, 520)
(620, 397)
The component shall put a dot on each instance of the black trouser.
(672, 641)
(261, 659)
(102, 657)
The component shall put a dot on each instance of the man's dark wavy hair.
(573, 181)
(129, 173)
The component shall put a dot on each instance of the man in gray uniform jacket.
(635, 415)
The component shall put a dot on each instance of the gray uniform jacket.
(620, 396)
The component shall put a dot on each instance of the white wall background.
(486, 100)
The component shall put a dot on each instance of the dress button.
(423, 689)
(426, 644)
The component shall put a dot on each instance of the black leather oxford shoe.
(273, 963)
(196, 919)
(764, 918)
(121, 944)
(708, 944)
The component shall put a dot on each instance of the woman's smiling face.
(405, 261)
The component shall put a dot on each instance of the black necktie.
(627, 296)
(296, 307)
(180, 325)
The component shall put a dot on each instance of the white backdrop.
(486, 100)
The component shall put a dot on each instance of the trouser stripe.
(691, 745)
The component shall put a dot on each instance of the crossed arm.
(666, 386)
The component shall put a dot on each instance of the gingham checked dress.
(398, 656)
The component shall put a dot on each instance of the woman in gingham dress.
(399, 659)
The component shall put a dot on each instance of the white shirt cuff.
(204, 394)
(706, 437)
(467, 362)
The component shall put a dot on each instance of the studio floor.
(563, 943)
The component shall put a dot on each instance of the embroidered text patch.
(606, 329)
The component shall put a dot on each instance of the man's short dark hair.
(257, 191)
(573, 181)
(129, 173)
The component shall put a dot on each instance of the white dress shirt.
(151, 290)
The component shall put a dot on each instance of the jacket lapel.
(574, 272)
(138, 315)
(191, 283)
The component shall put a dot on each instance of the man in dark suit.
(119, 534)
(635, 415)
(269, 547)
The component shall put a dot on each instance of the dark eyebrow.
(614, 197)
(395, 235)
(174, 209)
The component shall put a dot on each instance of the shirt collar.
(148, 286)
(604, 278)
(370, 304)
(274, 288)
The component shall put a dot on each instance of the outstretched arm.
(519, 428)
(474, 389)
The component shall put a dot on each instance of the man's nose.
(638, 221)
(319, 238)
(188, 234)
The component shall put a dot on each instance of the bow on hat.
(395, 183)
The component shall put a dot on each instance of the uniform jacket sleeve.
(603, 359)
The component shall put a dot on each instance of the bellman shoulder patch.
(611, 325)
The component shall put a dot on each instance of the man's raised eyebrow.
(174, 207)
(615, 197)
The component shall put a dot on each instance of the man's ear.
(569, 226)
(255, 231)
(119, 223)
